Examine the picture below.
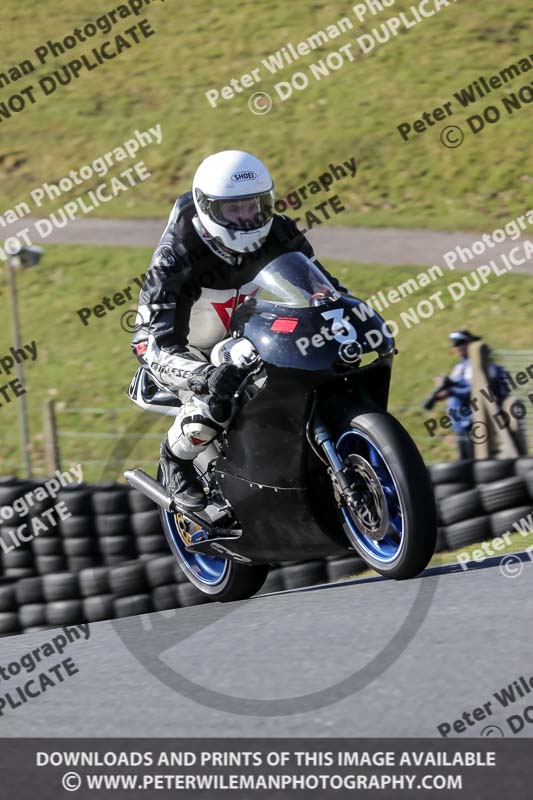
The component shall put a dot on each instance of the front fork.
(322, 438)
(345, 488)
(356, 484)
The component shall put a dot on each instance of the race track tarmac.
(361, 658)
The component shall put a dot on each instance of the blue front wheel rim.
(387, 550)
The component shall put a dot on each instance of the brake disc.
(371, 514)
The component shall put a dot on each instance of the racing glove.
(220, 382)
(224, 380)
(197, 381)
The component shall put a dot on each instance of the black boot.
(181, 480)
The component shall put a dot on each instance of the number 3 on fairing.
(343, 331)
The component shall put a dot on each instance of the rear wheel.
(219, 578)
(392, 522)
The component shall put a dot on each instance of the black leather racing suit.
(189, 294)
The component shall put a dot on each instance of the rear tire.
(400, 555)
(235, 582)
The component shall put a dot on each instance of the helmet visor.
(244, 213)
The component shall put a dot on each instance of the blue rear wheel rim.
(386, 551)
(209, 570)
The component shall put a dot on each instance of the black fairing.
(267, 470)
(254, 320)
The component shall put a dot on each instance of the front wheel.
(392, 519)
(219, 578)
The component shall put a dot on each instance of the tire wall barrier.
(479, 500)
(106, 556)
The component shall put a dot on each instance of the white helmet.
(234, 197)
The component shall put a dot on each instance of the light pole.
(22, 258)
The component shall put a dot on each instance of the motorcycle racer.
(217, 239)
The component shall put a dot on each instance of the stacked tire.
(297, 575)
(16, 554)
(478, 500)
(161, 575)
(301, 574)
(31, 604)
(109, 558)
(62, 594)
(146, 526)
(9, 621)
(78, 536)
(524, 469)
(129, 587)
(116, 543)
(96, 593)
(341, 569)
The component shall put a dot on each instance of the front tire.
(396, 531)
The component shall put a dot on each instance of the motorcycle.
(312, 464)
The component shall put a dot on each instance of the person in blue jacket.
(461, 404)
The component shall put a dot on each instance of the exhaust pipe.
(139, 479)
(148, 486)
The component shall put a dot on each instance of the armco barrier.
(100, 552)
